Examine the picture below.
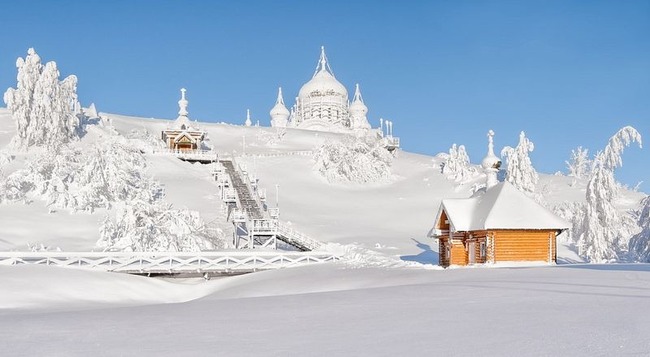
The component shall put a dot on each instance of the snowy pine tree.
(44, 108)
(457, 166)
(640, 243)
(580, 165)
(520, 171)
(605, 232)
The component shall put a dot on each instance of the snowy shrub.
(14, 187)
(359, 160)
(605, 232)
(144, 141)
(520, 171)
(5, 158)
(272, 138)
(640, 243)
(45, 109)
(40, 247)
(142, 226)
(580, 165)
(457, 166)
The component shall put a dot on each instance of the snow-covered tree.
(573, 212)
(579, 165)
(457, 166)
(142, 226)
(53, 175)
(605, 232)
(359, 160)
(114, 171)
(640, 243)
(45, 109)
(19, 100)
(520, 171)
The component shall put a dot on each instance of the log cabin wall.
(524, 245)
(459, 253)
(443, 258)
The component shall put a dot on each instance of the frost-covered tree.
(114, 171)
(359, 160)
(53, 175)
(142, 226)
(19, 100)
(573, 212)
(579, 165)
(640, 243)
(520, 171)
(457, 166)
(45, 109)
(605, 232)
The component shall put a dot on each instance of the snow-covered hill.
(389, 300)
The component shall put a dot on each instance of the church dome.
(280, 111)
(358, 107)
(323, 83)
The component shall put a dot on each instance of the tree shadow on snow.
(427, 256)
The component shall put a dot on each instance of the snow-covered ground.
(390, 300)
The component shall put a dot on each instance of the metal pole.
(277, 195)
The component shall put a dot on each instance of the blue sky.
(568, 73)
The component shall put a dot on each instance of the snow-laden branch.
(519, 169)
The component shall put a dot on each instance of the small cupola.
(491, 163)
(279, 113)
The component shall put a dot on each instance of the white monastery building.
(322, 104)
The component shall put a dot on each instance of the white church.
(322, 104)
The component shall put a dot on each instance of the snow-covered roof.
(500, 207)
(187, 135)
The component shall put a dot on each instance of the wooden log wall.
(524, 245)
(443, 260)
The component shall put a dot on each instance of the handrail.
(196, 153)
(301, 238)
(169, 262)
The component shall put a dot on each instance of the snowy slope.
(390, 301)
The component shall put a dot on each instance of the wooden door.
(472, 252)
